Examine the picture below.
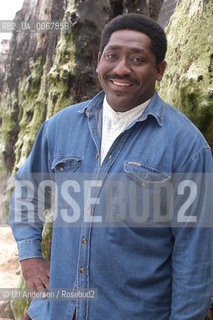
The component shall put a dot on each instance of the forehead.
(130, 39)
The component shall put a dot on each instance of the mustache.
(118, 77)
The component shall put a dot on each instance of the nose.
(122, 67)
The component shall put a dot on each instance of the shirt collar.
(155, 108)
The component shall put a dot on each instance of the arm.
(25, 219)
(192, 257)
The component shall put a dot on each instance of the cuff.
(29, 249)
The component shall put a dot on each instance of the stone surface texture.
(188, 82)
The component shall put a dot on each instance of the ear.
(99, 59)
(160, 70)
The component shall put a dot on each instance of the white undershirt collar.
(114, 123)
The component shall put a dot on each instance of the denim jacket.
(142, 267)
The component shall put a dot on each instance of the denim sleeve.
(192, 257)
(26, 216)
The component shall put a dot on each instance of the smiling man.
(148, 254)
(128, 69)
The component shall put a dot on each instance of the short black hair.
(138, 22)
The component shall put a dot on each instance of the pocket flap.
(66, 162)
(144, 174)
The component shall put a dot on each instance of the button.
(82, 270)
(89, 211)
(97, 155)
(48, 193)
(110, 156)
(84, 240)
(61, 168)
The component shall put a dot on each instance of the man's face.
(127, 69)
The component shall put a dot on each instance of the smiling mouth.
(121, 83)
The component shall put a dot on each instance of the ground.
(9, 266)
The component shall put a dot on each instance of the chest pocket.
(66, 164)
(67, 178)
(144, 175)
(150, 190)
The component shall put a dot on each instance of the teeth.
(121, 84)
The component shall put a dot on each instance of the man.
(129, 150)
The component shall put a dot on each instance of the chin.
(121, 107)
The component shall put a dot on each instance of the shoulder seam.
(182, 116)
(196, 155)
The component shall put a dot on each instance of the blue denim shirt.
(141, 269)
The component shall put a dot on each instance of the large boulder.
(187, 83)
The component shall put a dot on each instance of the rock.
(166, 11)
(18, 270)
(187, 83)
(3, 57)
(5, 311)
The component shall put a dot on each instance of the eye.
(137, 60)
(110, 56)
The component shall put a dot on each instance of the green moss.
(32, 100)
(47, 231)
(22, 113)
(8, 108)
(61, 75)
(20, 306)
(64, 70)
(33, 81)
(188, 79)
(47, 238)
